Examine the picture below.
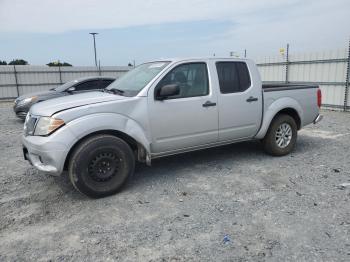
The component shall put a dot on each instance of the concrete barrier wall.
(23, 79)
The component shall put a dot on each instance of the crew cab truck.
(163, 108)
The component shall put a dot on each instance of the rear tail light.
(319, 97)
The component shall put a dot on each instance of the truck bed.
(302, 96)
(270, 87)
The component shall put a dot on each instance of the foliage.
(58, 63)
(18, 62)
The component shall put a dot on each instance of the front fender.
(271, 111)
(86, 125)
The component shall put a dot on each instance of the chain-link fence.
(329, 70)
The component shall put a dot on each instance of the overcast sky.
(41, 31)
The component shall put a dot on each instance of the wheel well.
(128, 139)
(293, 113)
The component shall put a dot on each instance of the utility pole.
(347, 80)
(287, 64)
(93, 35)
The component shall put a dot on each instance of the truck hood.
(52, 106)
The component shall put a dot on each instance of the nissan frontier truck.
(164, 108)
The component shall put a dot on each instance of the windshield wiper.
(113, 91)
(117, 91)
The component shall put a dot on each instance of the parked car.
(23, 103)
(163, 108)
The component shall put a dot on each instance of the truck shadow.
(250, 153)
(169, 168)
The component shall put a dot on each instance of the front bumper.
(21, 111)
(318, 119)
(45, 154)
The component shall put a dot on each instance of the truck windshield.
(131, 83)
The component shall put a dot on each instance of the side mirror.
(71, 89)
(167, 91)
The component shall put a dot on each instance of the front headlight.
(47, 125)
(28, 100)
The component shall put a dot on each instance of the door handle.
(252, 99)
(208, 103)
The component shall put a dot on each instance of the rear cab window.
(233, 77)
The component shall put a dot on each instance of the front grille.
(29, 125)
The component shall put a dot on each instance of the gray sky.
(45, 30)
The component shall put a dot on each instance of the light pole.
(93, 35)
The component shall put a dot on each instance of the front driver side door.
(189, 119)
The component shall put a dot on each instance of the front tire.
(281, 137)
(101, 165)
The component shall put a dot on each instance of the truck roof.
(179, 59)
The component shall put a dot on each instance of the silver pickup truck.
(162, 108)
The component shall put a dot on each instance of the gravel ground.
(291, 208)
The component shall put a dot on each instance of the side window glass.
(105, 83)
(233, 77)
(244, 77)
(191, 78)
(88, 85)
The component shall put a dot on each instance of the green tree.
(58, 63)
(3, 62)
(66, 64)
(18, 62)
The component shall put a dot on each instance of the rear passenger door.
(239, 100)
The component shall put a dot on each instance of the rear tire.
(101, 165)
(281, 136)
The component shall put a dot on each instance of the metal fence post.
(287, 64)
(59, 70)
(346, 94)
(16, 80)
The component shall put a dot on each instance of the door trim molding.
(200, 147)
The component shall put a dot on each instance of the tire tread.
(80, 148)
(269, 143)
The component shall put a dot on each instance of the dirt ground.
(292, 208)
